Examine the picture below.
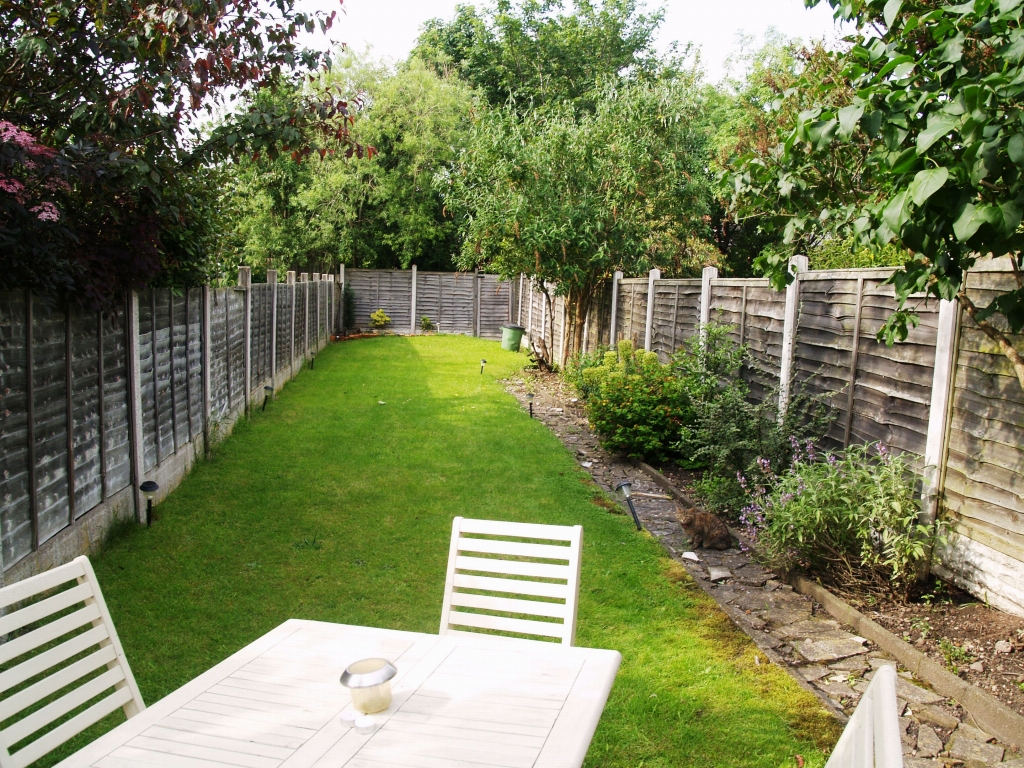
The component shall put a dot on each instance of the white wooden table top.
(460, 701)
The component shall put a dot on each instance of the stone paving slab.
(792, 630)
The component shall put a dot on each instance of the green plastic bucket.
(511, 336)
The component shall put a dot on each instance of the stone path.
(791, 629)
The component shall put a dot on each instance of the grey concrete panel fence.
(91, 404)
(946, 395)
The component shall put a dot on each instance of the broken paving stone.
(928, 742)
(808, 628)
(876, 662)
(753, 621)
(936, 716)
(915, 694)
(969, 750)
(970, 732)
(854, 664)
(828, 649)
(691, 556)
(838, 690)
(861, 686)
(812, 673)
(716, 573)
(920, 762)
(785, 616)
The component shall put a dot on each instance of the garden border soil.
(988, 712)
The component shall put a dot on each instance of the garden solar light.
(269, 393)
(149, 489)
(626, 489)
(312, 359)
(529, 399)
(482, 364)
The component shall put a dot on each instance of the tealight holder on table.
(369, 681)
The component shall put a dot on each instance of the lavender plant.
(850, 520)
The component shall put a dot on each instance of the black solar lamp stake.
(482, 364)
(626, 489)
(149, 489)
(268, 393)
(529, 399)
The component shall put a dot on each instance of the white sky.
(390, 27)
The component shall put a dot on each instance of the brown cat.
(704, 529)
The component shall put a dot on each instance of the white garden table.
(460, 700)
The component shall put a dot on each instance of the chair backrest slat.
(30, 587)
(536, 568)
(38, 637)
(66, 657)
(42, 609)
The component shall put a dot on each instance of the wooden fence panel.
(51, 424)
(15, 463)
(676, 315)
(632, 311)
(117, 431)
(893, 387)
(984, 483)
(495, 298)
(85, 409)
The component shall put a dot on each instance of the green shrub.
(633, 402)
(426, 324)
(379, 319)
(850, 520)
(572, 373)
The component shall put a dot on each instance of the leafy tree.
(377, 209)
(531, 54)
(919, 144)
(96, 97)
(569, 198)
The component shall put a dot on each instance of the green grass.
(331, 506)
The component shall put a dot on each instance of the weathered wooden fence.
(468, 303)
(91, 403)
(946, 394)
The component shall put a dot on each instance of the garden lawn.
(336, 505)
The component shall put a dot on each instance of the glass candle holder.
(369, 681)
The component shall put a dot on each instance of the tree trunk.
(577, 306)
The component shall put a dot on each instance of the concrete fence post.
(476, 302)
(135, 402)
(304, 279)
(706, 276)
(245, 282)
(272, 282)
(412, 313)
(797, 264)
(519, 313)
(290, 282)
(616, 278)
(207, 395)
(529, 313)
(940, 410)
(652, 278)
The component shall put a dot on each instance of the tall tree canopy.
(919, 143)
(378, 209)
(95, 100)
(533, 53)
(570, 197)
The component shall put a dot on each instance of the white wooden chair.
(63, 667)
(872, 737)
(480, 580)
